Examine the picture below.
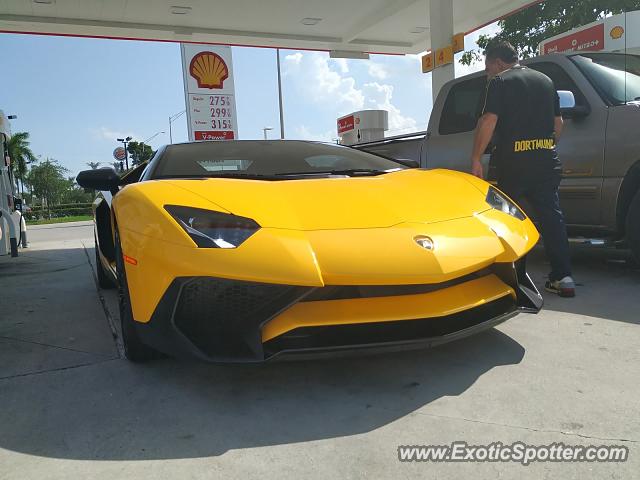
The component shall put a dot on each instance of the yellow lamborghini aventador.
(244, 251)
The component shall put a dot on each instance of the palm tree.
(21, 155)
(93, 165)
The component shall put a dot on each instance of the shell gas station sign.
(591, 39)
(209, 92)
(618, 33)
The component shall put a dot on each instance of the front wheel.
(633, 227)
(134, 349)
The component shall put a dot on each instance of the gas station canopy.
(380, 26)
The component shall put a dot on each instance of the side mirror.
(103, 179)
(408, 163)
(568, 107)
(17, 204)
(567, 99)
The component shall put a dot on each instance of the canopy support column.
(441, 30)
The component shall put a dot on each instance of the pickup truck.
(599, 148)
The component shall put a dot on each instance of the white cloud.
(379, 96)
(324, 82)
(342, 63)
(324, 86)
(378, 70)
(294, 58)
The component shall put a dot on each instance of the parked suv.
(599, 148)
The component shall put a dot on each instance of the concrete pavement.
(70, 407)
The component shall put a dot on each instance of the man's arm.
(484, 132)
(493, 108)
(558, 126)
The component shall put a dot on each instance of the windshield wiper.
(350, 171)
(255, 176)
(250, 176)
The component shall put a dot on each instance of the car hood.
(413, 195)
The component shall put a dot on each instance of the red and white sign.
(227, 135)
(619, 33)
(119, 153)
(590, 39)
(209, 92)
(346, 124)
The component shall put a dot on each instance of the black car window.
(263, 158)
(615, 76)
(561, 79)
(463, 106)
(134, 175)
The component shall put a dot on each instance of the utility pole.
(171, 119)
(125, 141)
(280, 95)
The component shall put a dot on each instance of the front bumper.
(228, 321)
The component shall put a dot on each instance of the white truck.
(9, 227)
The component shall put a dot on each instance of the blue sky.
(75, 96)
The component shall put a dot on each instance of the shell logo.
(616, 32)
(209, 70)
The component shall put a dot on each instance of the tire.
(134, 349)
(104, 280)
(633, 227)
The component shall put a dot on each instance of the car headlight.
(499, 201)
(210, 229)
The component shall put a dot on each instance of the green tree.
(527, 28)
(140, 152)
(93, 165)
(21, 155)
(74, 193)
(48, 182)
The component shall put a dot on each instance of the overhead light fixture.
(44, 2)
(310, 21)
(419, 30)
(349, 54)
(178, 10)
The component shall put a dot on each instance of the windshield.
(616, 75)
(255, 159)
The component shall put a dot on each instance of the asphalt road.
(71, 407)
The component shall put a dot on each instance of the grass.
(72, 218)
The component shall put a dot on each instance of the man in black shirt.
(522, 115)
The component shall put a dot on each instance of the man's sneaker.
(565, 287)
